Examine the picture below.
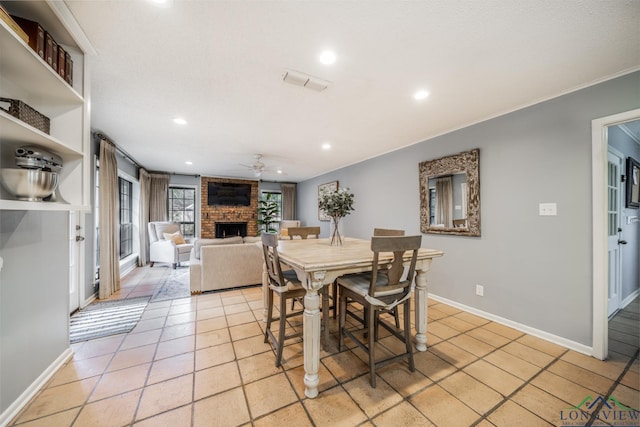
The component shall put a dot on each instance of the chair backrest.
(271, 259)
(398, 245)
(158, 228)
(303, 232)
(387, 232)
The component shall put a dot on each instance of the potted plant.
(337, 204)
(268, 211)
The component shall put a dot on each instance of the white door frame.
(617, 274)
(599, 151)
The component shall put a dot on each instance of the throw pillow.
(176, 237)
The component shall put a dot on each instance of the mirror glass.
(450, 195)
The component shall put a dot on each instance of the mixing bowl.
(29, 184)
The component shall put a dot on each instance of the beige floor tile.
(236, 308)
(507, 414)
(612, 368)
(471, 318)
(135, 356)
(257, 367)
(176, 417)
(164, 396)
(443, 409)
(296, 376)
(61, 419)
(471, 392)
(401, 415)
(457, 324)
(186, 307)
(541, 403)
(292, 415)
(211, 338)
(494, 377)
(251, 346)
(581, 376)
(631, 379)
(115, 411)
(269, 394)
(513, 364)
(628, 396)
(453, 354)
(148, 325)
(76, 370)
(472, 345)
(334, 408)
(213, 356)
(505, 331)
(371, 400)
(240, 318)
(99, 347)
(231, 300)
(214, 380)
(178, 319)
(210, 324)
(59, 398)
(447, 309)
(441, 330)
(178, 331)
(171, 367)
(245, 331)
(117, 382)
(345, 365)
(210, 313)
(209, 301)
(543, 345)
(402, 379)
(489, 337)
(155, 312)
(228, 409)
(561, 387)
(432, 366)
(141, 339)
(528, 354)
(174, 347)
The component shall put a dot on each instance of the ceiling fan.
(258, 167)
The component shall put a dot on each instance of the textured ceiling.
(219, 64)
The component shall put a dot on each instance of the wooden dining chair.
(303, 232)
(381, 292)
(287, 286)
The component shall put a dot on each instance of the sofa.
(225, 263)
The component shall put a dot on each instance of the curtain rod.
(118, 149)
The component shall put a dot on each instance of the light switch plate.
(548, 209)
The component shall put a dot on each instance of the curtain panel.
(143, 221)
(108, 221)
(159, 197)
(444, 206)
(288, 201)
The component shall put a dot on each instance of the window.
(277, 198)
(126, 217)
(182, 202)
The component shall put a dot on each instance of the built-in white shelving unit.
(27, 77)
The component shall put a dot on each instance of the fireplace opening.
(230, 229)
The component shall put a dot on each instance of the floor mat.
(106, 318)
(175, 286)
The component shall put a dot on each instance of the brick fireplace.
(212, 215)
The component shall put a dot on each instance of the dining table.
(317, 263)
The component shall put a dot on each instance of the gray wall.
(34, 297)
(630, 232)
(535, 270)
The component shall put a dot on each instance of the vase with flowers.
(336, 204)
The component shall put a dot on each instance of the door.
(76, 259)
(614, 169)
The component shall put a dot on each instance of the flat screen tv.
(229, 194)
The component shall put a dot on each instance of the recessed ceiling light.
(279, 171)
(327, 57)
(188, 162)
(421, 94)
(161, 3)
(326, 146)
(179, 121)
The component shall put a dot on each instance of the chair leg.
(151, 263)
(283, 323)
(372, 344)
(342, 320)
(269, 315)
(334, 289)
(174, 265)
(407, 334)
(396, 316)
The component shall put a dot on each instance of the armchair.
(166, 250)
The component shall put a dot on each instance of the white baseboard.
(572, 345)
(31, 391)
(628, 300)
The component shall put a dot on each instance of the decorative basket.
(22, 111)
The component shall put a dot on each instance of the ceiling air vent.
(301, 79)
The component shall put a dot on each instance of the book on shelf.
(62, 54)
(68, 69)
(54, 55)
(4, 16)
(34, 32)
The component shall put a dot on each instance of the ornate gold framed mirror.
(450, 194)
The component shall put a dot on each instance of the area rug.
(102, 319)
(176, 285)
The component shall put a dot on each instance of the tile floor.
(201, 361)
